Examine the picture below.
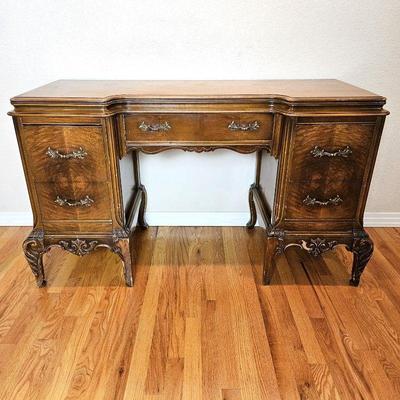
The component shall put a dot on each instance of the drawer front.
(327, 169)
(337, 150)
(198, 127)
(65, 153)
(74, 201)
(322, 199)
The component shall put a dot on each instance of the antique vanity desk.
(316, 143)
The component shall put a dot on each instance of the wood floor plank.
(137, 372)
(198, 324)
(263, 384)
(192, 372)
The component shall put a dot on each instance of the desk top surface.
(289, 90)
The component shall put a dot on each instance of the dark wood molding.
(244, 149)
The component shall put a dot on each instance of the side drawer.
(58, 152)
(322, 199)
(338, 150)
(74, 201)
(206, 127)
(328, 163)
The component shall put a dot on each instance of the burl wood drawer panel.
(74, 201)
(213, 127)
(328, 162)
(337, 150)
(323, 198)
(65, 153)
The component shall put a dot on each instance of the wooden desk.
(316, 144)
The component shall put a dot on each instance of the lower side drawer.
(321, 200)
(74, 201)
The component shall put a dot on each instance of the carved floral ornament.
(318, 246)
(314, 246)
(78, 246)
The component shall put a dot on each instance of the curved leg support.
(271, 250)
(143, 204)
(119, 245)
(123, 250)
(34, 249)
(362, 249)
(253, 211)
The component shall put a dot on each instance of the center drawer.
(206, 127)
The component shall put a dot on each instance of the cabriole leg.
(33, 248)
(362, 250)
(269, 261)
(143, 194)
(122, 248)
(253, 211)
(143, 204)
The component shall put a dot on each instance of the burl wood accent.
(198, 324)
(324, 135)
(71, 153)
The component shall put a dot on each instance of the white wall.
(357, 41)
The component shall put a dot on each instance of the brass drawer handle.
(251, 126)
(318, 152)
(163, 127)
(312, 201)
(80, 153)
(85, 202)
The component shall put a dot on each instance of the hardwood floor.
(197, 324)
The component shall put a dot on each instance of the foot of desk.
(34, 249)
(124, 252)
(269, 266)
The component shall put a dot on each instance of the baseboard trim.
(371, 219)
(16, 219)
(197, 219)
(382, 219)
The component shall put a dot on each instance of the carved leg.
(123, 250)
(253, 212)
(362, 249)
(143, 201)
(269, 262)
(143, 204)
(34, 249)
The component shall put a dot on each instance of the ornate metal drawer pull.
(85, 202)
(312, 201)
(251, 126)
(317, 152)
(165, 126)
(80, 153)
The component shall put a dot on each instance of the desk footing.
(278, 240)
(36, 244)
